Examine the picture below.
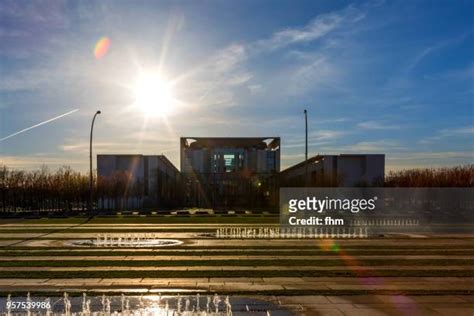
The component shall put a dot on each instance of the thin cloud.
(317, 28)
(434, 48)
(377, 125)
(434, 155)
(379, 146)
(231, 61)
(35, 161)
(428, 159)
(465, 131)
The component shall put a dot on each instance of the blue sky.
(393, 77)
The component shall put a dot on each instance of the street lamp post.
(90, 163)
(306, 148)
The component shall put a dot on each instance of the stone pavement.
(245, 284)
(377, 305)
(445, 294)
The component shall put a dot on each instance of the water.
(292, 233)
(358, 228)
(126, 240)
(195, 305)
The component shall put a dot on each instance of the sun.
(154, 95)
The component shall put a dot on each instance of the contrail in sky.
(39, 124)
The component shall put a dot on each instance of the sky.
(393, 77)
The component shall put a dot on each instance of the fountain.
(187, 304)
(198, 308)
(295, 233)
(28, 304)
(67, 304)
(48, 307)
(216, 301)
(208, 307)
(134, 240)
(9, 304)
(123, 305)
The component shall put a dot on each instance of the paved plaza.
(417, 274)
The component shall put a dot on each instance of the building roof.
(167, 162)
(231, 142)
(301, 164)
(162, 158)
(321, 157)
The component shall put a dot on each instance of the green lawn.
(189, 252)
(301, 263)
(228, 274)
(211, 219)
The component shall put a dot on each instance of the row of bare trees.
(42, 189)
(460, 176)
(66, 189)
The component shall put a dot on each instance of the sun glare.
(154, 95)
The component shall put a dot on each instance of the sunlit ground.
(376, 276)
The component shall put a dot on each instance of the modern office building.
(336, 170)
(224, 173)
(137, 181)
(230, 172)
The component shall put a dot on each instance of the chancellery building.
(226, 173)
(230, 172)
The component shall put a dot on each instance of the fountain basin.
(195, 305)
(145, 243)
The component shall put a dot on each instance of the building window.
(271, 161)
(229, 163)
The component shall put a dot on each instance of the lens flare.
(101, 47)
